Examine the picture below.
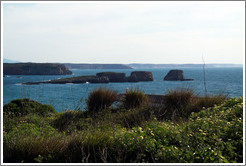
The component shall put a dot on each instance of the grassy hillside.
(140, 133)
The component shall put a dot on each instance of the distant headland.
(149, 65)
(35, 69)
(96, 66)
(64, 68)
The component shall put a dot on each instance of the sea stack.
(176, 75)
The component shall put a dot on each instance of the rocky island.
(176, 75)
(35, 69)
(103, 77)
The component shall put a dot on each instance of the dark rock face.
(35, 69)
(176, 75)
(113, 76)
(140, 76)
(99, 80)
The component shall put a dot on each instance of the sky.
(124, 32)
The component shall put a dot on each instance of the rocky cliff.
(137, 76)
(113, 76)
(176, 75)
(35, 69)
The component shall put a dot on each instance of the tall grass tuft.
(69, 120)
(100, 99)
(208, 101)
(134, 98)
(178, 102)
(181, 102)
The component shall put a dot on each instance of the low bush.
(69, 120)
(134, 117)
(22, 107)
(177, 103)
(21, 110)
(214, 135)
(134, 98)
(92, 146)
(180, 103)
(208, 101)
(28, 142)
(100, 99)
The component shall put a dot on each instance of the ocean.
(228, 81)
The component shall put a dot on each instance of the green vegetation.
(21, 107)
(101, 99)
(180, 103)
(134, 98)
(212, 134)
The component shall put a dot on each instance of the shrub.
(134, 117)
(177, 102)
(134, 98)
(178, 98)
(91, 146)
(100, 99)
(22, 107)
(180, 103)
(28, 142)
(214, 135)
(208, 101)
(69, 120)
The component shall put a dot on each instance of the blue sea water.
(228, 81)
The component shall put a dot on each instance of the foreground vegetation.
(184, 129)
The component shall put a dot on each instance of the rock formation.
(137, 76)
(104, 77)
(176, 75)
(35, 69)
(113, 76)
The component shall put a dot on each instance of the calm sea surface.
(227, 81)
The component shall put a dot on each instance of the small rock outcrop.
(35, 69)
(137, 76)
(176, 75)
(113, 76)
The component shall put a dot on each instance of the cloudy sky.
(125, 32)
